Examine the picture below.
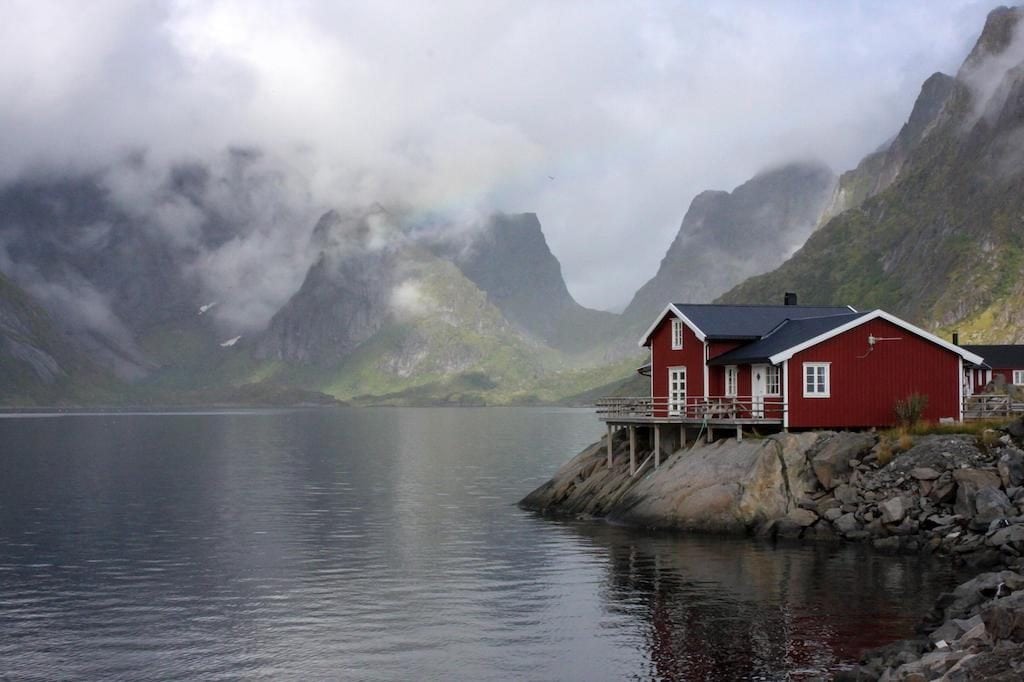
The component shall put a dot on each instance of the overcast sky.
(605, 118)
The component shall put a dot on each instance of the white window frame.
(1018, 377)
(827, 383)
(732, 381)
(677, 334)
(773, 373)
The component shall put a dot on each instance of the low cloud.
(604, 118)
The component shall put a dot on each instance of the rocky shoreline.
(955, 496)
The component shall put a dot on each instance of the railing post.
(632, 449)
(657, 446)
(611, 430)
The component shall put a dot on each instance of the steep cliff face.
(726, 237)
(880, 169)
(39, 363)
(509, 259)
(943, 245)
(344, 299)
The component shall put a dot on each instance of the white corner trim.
(706, 379)
(670, 308)
(785, 394)
(960, 382)
(867, 317)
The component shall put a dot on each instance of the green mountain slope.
(943, 243)
(38, 364)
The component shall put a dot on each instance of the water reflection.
(720, 608)
(385, 544)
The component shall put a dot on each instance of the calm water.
(385, 544)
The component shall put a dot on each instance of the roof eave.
(867, 317)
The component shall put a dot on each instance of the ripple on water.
(384, 544)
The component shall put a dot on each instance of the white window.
(816, 380)
(773, 380)
(1018, 377)
(677, 334)
(732, 381)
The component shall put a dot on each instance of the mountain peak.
(998, 35)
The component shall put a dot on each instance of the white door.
(758, 387)
(676, 390)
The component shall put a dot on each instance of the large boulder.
(1011, 467)
(990, 504)
(831, 462)
(1004, 618)
(969, 482)
(894, 509)
(725, 486)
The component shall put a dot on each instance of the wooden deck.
(714, 411)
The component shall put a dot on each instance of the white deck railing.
(767, 409)
(991, 406)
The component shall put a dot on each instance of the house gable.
(670, 310)
(867, 317)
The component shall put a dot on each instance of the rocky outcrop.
(727, 486)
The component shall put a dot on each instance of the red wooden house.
(793, 366)
(1006, 361)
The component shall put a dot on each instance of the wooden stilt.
(632, 449)
(682, 436)
(711, 434)
(657, 446)
(739, 432)
(611, 431)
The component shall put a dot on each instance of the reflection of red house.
(1006, 361)
(794, 366)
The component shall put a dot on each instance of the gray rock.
(833, 514)
(948, 631)
(969, 482)
(924, 473)
(847, 494)
(943, 489)
(963, 600)
(1011, 467)
(992, 503)
(1004, 618)
(802, 517)
(847, 523)
(975, 636)
(1016, 429)
(893, 509)
(1013, 535)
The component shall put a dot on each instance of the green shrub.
(909, 411)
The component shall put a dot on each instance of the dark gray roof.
(1000, 356)
(787, 334)
(744, 322)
